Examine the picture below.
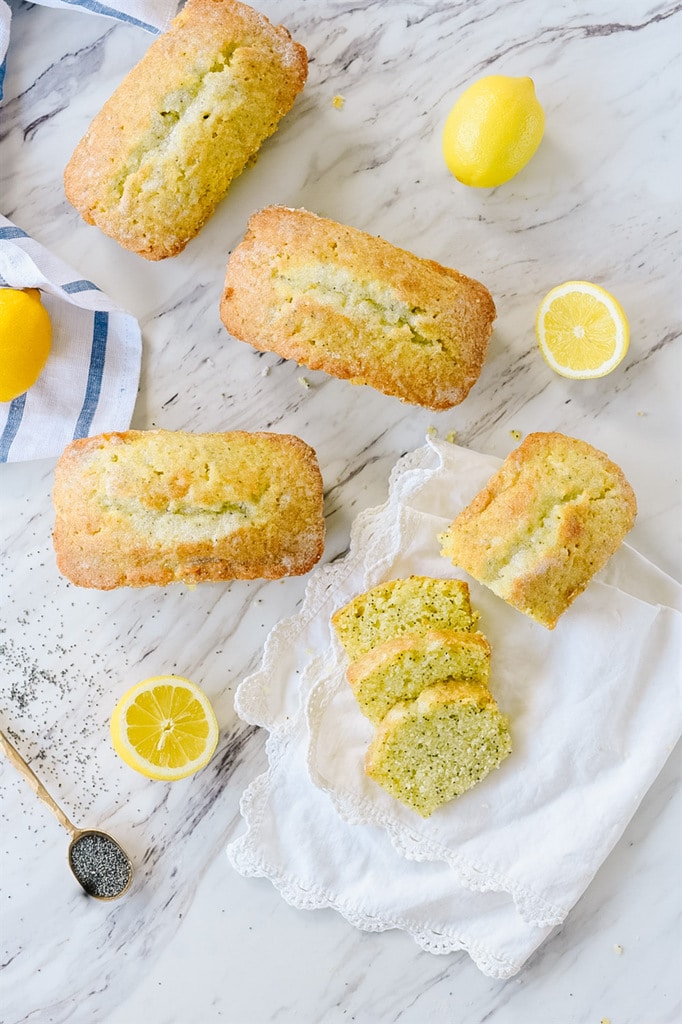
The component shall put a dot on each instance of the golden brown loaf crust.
(545, 523)
(161, 154)
(336, 299)
(143, 508)
(429, 750)
(399, 669)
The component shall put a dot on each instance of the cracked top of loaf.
(337, 299)
(187, 119)
(142, 508)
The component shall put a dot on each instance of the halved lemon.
(582, 330)
(165, 728)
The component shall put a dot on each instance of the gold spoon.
(98, 863)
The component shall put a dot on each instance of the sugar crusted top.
(151, 507)
(337, 299)
(545, 523)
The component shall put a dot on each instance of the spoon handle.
(15, 758)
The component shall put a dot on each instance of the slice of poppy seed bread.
(412, 605)
(432, 749)
(399, 669)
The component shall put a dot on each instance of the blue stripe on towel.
(3, 69)
(12, 232)
(97, 8)
(92, 390)
(71, 287)
(16, 412)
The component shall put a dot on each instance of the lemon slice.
(582, 331)
(165, 728)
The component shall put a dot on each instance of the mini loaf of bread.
(414, 605)
(429, 750)
(162, 152)
(339, 300)
(144, 508)
(546, 522)
(399, 669)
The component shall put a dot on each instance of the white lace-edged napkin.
(150, 15)
(594, 710)
(89, 384)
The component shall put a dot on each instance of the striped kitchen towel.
(89, 384)
(151, 15)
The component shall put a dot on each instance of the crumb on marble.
(304, 382)
(451, 436)
(516, 434)
(265, 371)
(432, 431)
(618, 949)
(605, 1020)
(338, 102)
(641, 413)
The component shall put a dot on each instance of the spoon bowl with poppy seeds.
(98, 863)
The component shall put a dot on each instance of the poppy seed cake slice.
(401, 668)
(412, 605)
(432, 749)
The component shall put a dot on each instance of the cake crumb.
(265, 371)
(338, 102)
(618, 949)
(450, 436)
(605, 1020)
(432, 432)
(304, 382)
(516, 434)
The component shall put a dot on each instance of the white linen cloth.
(594, 711)
(89, 384)
(151, 15)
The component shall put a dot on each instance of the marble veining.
(194, 941)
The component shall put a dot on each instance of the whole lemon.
(25, 340)
(493, 130)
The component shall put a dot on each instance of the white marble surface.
(194, 941)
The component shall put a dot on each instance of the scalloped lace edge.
(354, 810)
(252, 697)
(244, 859)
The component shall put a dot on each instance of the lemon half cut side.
(582, 330)
(164, 728)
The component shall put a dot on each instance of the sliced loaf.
(432, 749)
(401, 668)
(414, 605)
